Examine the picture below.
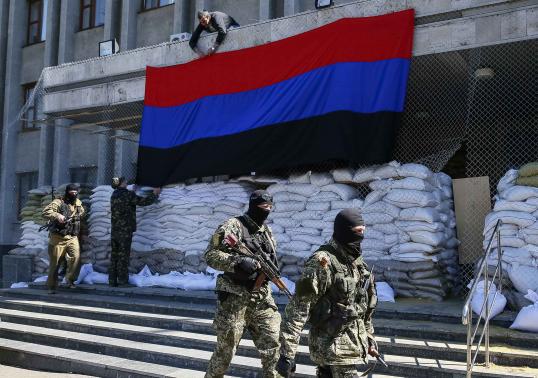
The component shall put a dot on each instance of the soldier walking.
(123, 204)
(64, 214)
(240, 304)
(336, 293)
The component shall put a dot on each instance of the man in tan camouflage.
(240, 304)
(336, 293)
(64, 214)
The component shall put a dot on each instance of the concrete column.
(112, 20)
(69, 24)
(181, 16)
(129, 10)
(291, 7)
(12, 104)
(4, 11)
(198, 5)
(46, 137)
(266, 10)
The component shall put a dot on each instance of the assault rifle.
(268, 268)
(51, 223)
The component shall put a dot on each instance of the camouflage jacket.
(348, 347)
(54, 209)
(123, 203)
(221, 257)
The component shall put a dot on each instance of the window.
(37, 21)
(26, 181)
(84, 175)
(151, 4)
(92, 13)
(31, 112)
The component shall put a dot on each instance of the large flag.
(332, 93)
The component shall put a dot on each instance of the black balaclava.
(259, 197)
(68, 197)
(343, 223)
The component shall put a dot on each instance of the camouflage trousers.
(118, 270)
(61, 247)
(337, 371)
(260, 317)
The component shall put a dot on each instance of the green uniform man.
(336, 293)
(240, 304)
(65, 214)
(123, 203)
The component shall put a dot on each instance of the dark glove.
(285, 366)
(247, 265)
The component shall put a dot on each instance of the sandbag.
(342, 175)
(414, 170)
(507, 180)
(405, 198)
(503, 205)
(519, 193)
(524, 278)
(529, 169)
(528, 181)
(425, 214)
(384, 292)
(527, 318)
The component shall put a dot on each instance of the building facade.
(49, 143)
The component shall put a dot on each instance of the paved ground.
(15, 372)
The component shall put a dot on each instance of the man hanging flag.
(332, 93)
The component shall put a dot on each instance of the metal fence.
(468, 113)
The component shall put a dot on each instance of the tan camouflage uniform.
(63, 246)
(238, 308)
(335, 353)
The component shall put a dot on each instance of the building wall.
(87, 43)
(32, 62)
(147, 31)
(27, 151)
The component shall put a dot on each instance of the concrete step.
(410, 309)
(106, 309)
(196, 359)
(204, 339)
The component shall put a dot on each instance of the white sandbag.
(444, 179)
(19, 285)
(307, 190)
(321, 179)
(282, 238)
(303, 231)
(289, 206)
(340, 205)
(524, 278)
(414, 170)
(372, 233)
(384, 185)
(282, 214)
(295, 245)
(308, 214)
(409, 226)
(375, 218)
(375, 244)
(496, 301)
(531, 239)
(519, 193)
(84, 271)
(425, 214)
(385, 228)
(412, 247)
(96, 278)
(389, 170)
(346, 192)
(384, 292)
(286, 196)
(364, 175)
(413, 257)
(506, 241)
(426, 237)
(313, 223)
(373, 197)
(382, 207)
(342, 174)
(527, 319)
(310, 239)
(324, 197)
(507, 181)
(404, 198)
(503, 205)
(318, 206)
(303, 178)
(518, 218)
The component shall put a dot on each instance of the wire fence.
(469, 113)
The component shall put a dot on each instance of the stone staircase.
(146, 332)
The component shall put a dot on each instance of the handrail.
(467, 313)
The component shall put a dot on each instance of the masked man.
(123, 203)
(337, 295)
(65, 214)
(240, 304)
(212, 22)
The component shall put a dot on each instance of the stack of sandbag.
(39, 257)
(517, 207)
(185, 217)
(303, 215)
(411, 219)
(528, 175)
(96, 246)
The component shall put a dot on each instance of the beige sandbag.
(528, 181)
(529, 169)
